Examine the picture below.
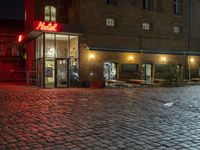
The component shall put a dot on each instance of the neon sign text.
(47, 26)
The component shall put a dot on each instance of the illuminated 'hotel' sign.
(47, 26)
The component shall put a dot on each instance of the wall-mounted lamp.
(130, 58)
(191, 60)
(91, 56)
(163, 59)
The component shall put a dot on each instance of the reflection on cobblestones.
(134, 119)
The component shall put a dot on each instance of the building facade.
(12, 61)
(108, 39)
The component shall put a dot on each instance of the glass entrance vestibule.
(57, 60)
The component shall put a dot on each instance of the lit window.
(110, 22)
(146, 26)
(50, 13)
(177, 7)
(177, 29)
(148, 4)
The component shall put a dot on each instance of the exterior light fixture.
(191, 60)
(130, 58)
(91, 56)
(20, 38)
(164, 59)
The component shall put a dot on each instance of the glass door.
(49, 73)
(110, 71)
(147, 72)
(61, 73)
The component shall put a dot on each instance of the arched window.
(50, 13)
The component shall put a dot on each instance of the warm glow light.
(20, 38)
(51, 52)
(164, 59)
(191, 59)
(91, 56)
(130, 58)
(46, 26)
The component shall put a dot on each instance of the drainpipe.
(189, 38)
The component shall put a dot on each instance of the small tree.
(173, 75)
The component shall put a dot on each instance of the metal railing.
(31, 77)
(28, 77)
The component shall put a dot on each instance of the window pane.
(177, 7)
(145, 26)
(47, 13)
(129, 67)
(39, 46)
(53, 13)
(62, 46)
(110, 22)
(177, 29)
(50, 13)
(74, 47)
(50, 45)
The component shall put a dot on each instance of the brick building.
(109, 39)
(12, 63)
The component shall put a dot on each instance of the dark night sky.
(12, 9)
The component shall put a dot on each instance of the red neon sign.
(47, 26)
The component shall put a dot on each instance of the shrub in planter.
(173, 75)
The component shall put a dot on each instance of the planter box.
(97, 84)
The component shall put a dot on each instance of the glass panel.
(40, 72)
(110, 71)
(147, 72)
(110, 22)
(74, 72)
(62, 77)
(50, 45)
(74, 47)
(53, 13)
(62, 46)
(49, 73)
(47, 13)
(39, 47)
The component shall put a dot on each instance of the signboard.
(47, 26)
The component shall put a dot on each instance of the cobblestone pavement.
(99, 119)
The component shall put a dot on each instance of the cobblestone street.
(99, 119)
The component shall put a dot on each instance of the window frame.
(48, 12)
(111, 22)
(177, 4)
(144, 26)
(177, 26)
(147, 4)
(127, 68)
(111, 2)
